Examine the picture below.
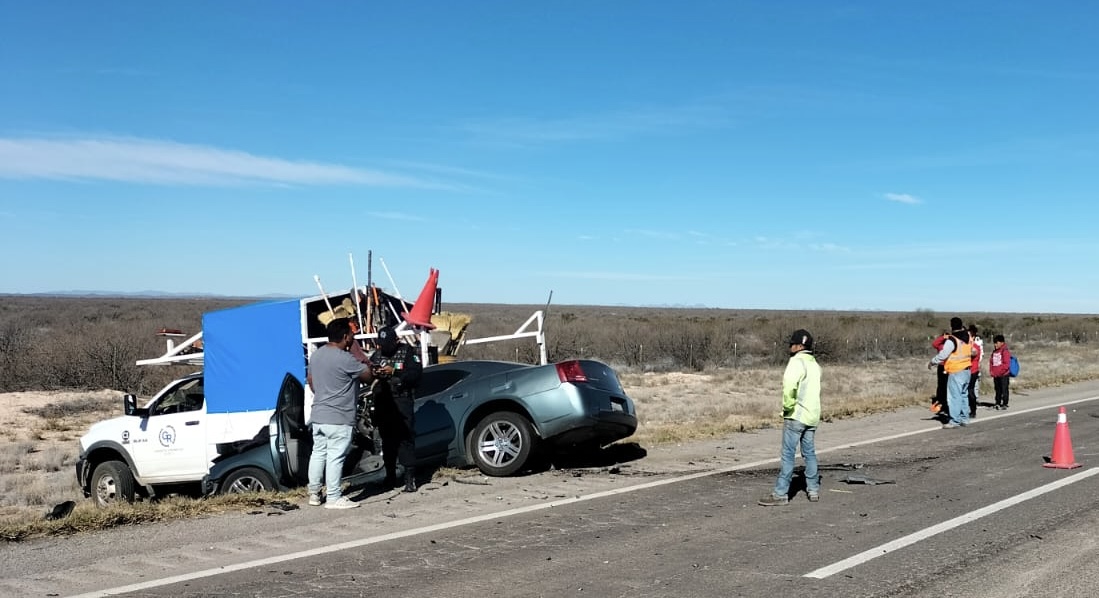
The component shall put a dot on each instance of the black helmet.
(802, 337)
(387, 341)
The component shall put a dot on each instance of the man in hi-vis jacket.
(800, 416)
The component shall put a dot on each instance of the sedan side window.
(436, 382)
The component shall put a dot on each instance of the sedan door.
(444, 397)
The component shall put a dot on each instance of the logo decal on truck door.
(167, 436)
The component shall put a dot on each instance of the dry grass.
(13, 454)
(678, 407)
(86, 517)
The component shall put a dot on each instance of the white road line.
(899, 543)
(156, 583)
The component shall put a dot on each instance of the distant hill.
(149, 295)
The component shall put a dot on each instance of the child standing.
(999, 367)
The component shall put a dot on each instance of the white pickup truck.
(254, 362)
(249, 355)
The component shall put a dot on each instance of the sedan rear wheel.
(501, 443)
(246, 480)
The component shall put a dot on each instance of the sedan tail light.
(570, 371)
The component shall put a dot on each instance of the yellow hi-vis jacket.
(801, 389)
(960, 359)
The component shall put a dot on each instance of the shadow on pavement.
(588, 457)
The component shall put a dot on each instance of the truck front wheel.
(112, 484)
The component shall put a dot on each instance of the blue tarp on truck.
(248, 351)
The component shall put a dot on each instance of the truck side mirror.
(129, 404)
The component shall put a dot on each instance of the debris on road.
(859, 479)
(841, 467)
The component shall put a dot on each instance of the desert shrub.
(92, 343)
(15, 338)
(71, 408)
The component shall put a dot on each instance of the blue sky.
(785, 155)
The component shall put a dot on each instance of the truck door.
(293, 441)
(170, 444)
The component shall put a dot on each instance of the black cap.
(802, 337)
(956, 323)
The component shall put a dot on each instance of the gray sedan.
(492, 414)
(495, 414)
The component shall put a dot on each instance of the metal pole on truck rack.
(395, 290)
(370, 289)
(390, 276)
(325, 295)
(358, 299)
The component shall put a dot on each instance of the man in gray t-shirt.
(334, 377)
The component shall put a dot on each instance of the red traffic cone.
(1062, 445)
(421, 310)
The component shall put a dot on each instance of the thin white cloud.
(654, 234)
(522, 131)
(401, 216)
(769, 243)
(619, 276)
(829, 248)
(137, 160)
(903, 198)
(451, 170)
(888, 266)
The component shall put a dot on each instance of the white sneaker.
(315, 499)
(342, 503)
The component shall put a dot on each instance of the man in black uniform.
(397, 367)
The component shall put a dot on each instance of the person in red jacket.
(999, 367)
(938, 402)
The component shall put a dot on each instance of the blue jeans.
(793, 434)
(330, 445)
(957, 397)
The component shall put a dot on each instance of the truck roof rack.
(190, 351)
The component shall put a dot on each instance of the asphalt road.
(706, 537)
(965, 512)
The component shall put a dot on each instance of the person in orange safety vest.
(957, 359)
